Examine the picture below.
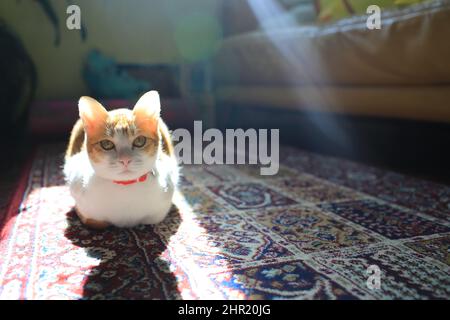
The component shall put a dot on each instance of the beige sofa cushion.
(430, 103)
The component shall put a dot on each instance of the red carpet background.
(310, 232)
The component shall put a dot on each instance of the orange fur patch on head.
(151, 146)
(94, 151)
(121, 120)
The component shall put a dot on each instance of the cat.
(120, 165)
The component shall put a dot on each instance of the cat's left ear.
(147, 110)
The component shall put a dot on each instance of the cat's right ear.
(93, 115)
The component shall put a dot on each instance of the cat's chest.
(107, 192)
(124, 205)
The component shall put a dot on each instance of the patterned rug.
(310, 232)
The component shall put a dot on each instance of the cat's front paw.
(92, 223)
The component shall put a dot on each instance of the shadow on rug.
(129, 264)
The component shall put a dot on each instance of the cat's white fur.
(98, 197)
(146, 202)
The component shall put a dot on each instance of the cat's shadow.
(131, 265)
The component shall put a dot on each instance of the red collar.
(128, 182)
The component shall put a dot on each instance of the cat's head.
(122, 144)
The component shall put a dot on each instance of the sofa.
(401, 71)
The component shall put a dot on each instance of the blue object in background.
(106, 81)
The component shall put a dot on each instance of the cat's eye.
(139, 142)
(107, 145)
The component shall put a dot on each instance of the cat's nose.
(125, 162)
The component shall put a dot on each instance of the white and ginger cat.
(120, 165)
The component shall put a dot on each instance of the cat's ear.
(147, 110)
(93, 115)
